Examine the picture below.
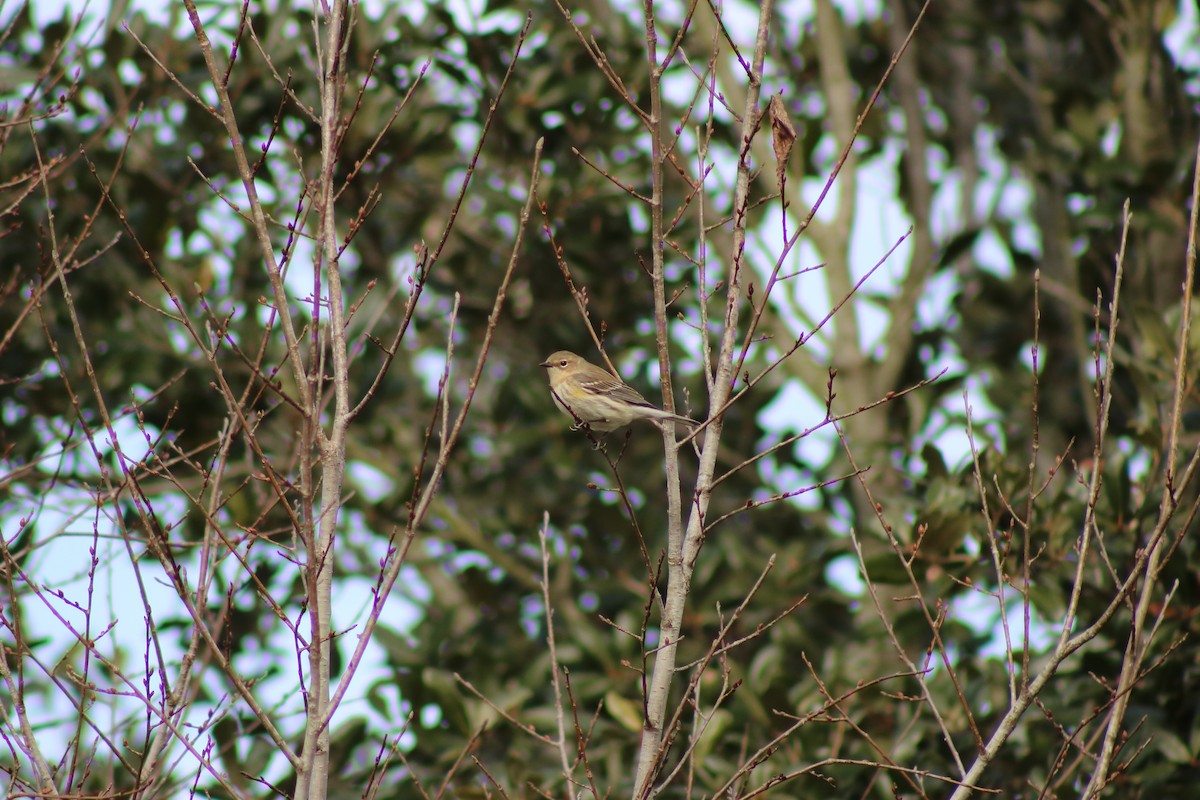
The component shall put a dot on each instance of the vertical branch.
(652, 730)
(833, 238)
(1068, 643)
(900, 330)
(559, 716)
(657, 248)
(314, 775)
(257, 213)
(654, 738)
(27, 742)
(1030, 508)
(1136, 646)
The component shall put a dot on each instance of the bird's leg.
(589, 433)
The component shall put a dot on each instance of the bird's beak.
(545, 364)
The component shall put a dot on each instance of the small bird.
(593, 397)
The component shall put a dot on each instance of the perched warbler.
(593, 397)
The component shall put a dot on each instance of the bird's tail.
(682, 420)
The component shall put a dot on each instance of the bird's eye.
(562, 363)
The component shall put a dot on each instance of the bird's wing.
(617, 390)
